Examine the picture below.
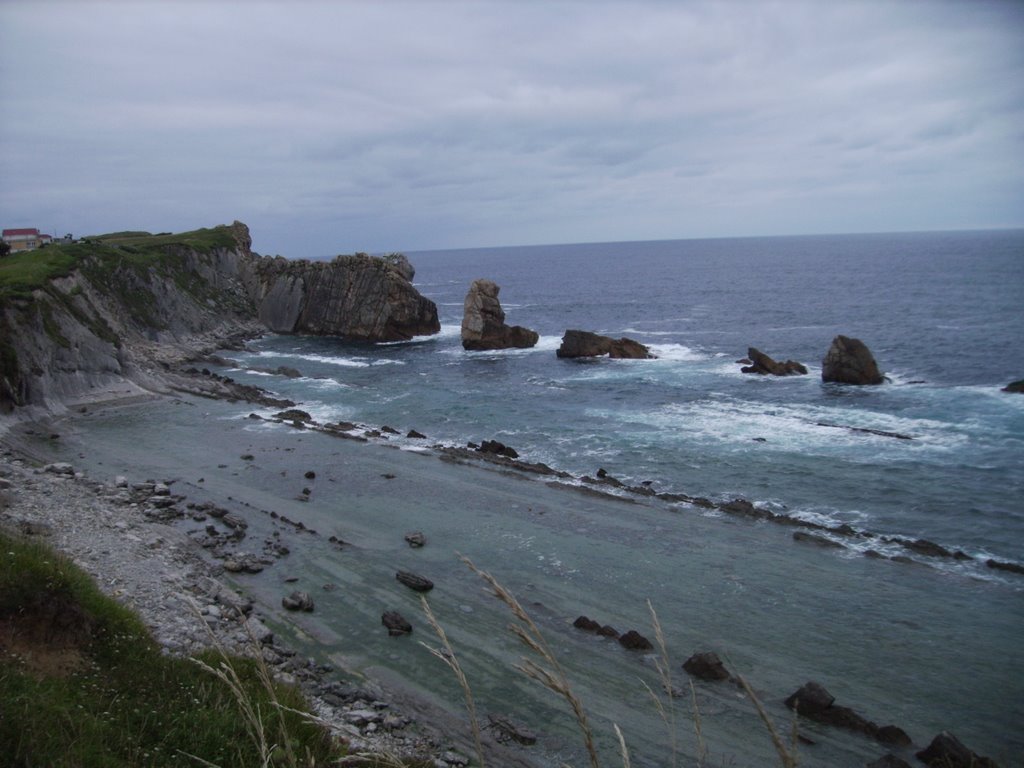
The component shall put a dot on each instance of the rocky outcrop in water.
(762, 364)
(360, 297)
(1015, 386)
(947, 751)
(483, 321)
(849, 361)
(586, 344)
(815, 703)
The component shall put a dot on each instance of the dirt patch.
(49, 638)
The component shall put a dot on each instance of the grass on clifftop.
(24, 272)
(83, 684)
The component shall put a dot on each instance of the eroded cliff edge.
(130, 306)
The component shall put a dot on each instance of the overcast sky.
(336, 127)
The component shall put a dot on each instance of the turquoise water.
(928, 647)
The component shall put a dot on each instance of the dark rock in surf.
(814, 702)
(1015, 386)
(498, 449)
(293, 414)
(821, 541)
(608, 631)
(415, 539)
(586, 623)
(762, 364)
(483, 322)
(634, 641)
(946, 751)
(395, 623)
(414, 435)
(414, 582)
(586, 344)
(1001, 566)
(849, 361)
(706, 666)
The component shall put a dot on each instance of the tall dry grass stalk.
(447, 655)
(661, 663)
(547, 671)
(788, 757)
(702, 749)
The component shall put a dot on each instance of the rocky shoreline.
(123, 535)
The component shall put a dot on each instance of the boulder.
(586, 344)
(762, 364)
(946, 751)
(298, 601)
(483, 321)
(293, 414)
(634, 641)
(706, 666)
(396, 623)
(849, 361)
(414, 582)
(1015, 386)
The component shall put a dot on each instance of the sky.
(335, 127)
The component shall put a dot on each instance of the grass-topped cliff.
(27, 271)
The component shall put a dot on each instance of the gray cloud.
(333, 127)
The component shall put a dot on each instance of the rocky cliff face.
(353, 297)
(127, 307)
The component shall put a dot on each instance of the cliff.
(131, 306)
(354, 297)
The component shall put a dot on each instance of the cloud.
(359, 125)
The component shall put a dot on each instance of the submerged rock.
(298, 601)
(634, 641)
(414, 581)
(762, 364)
(849, 361)
(586, 344)
(706, 666)
(416, 539)
(946, 751)
(814, 702)
(395, 623)
(483, 321)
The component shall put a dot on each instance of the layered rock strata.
(483, 321)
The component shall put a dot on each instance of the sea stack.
(483, 323)
(849, 361)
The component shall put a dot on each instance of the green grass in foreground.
(83, 684)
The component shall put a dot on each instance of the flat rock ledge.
(483, 322)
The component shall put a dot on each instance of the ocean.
(929, 643)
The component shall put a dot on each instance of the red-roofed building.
(25, 239)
